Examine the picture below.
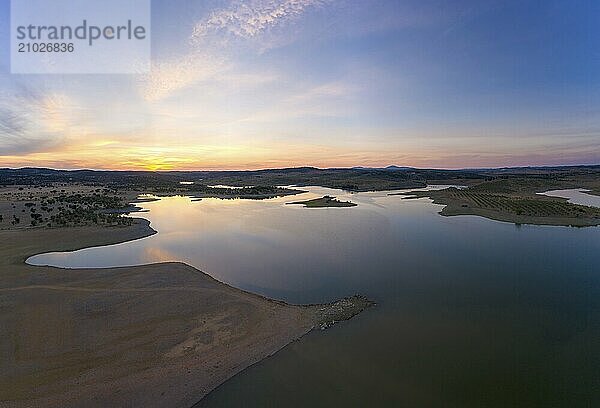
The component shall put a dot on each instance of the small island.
(326, 201)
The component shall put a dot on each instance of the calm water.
(576, 196)
(471, 312)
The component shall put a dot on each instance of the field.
(514, 200)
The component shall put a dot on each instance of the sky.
(326, 83)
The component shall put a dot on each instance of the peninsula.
(152, 336)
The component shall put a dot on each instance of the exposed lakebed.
(471, 312)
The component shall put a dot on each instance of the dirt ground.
(152, 336)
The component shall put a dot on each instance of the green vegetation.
(252, 192)
(502, 194)
(78, 209)
(513, 200)
(257, 183)
(73, 209)
(263, 182)
(326, 201)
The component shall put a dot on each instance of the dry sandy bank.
(155, 335)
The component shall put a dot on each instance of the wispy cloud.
(249, 19)
(172, 75)
(206, 57)
(33, 121)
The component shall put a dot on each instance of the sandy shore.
(161, 335)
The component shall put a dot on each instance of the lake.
(471, 312)
(576, 196)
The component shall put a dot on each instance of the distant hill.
(350, 179)
(391, 168)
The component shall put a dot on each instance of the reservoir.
(470, 312)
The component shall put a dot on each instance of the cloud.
(207, 54)
(248, 19)
(169, 76)
(32, 121)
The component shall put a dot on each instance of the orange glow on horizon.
(111, 152)
(239, 164)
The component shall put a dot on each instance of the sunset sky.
(327, 83)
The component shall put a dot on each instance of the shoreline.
(520, 209)
(163, 334)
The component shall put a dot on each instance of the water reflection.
(279, 250)
(471, 312)
(576, 196)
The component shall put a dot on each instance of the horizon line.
(308, 167)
